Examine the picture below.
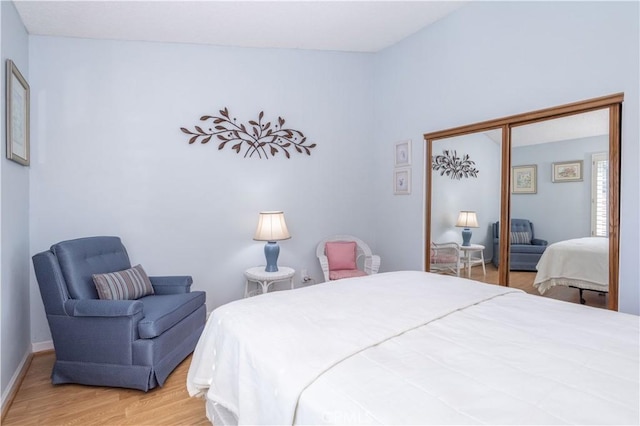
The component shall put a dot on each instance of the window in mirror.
(600, 195)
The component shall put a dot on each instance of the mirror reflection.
(559, 206)
(465, 201)
(556, 186)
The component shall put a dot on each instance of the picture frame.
(402, 181)
(524, 179)
(567, 171)
(17, 115)
(403, 153)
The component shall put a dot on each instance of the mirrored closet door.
(556, 174)
(465, 185)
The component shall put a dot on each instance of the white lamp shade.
(271, 227)
(467, 219)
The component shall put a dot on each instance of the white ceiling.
(353, 26)
(577, 126)
(570, 127)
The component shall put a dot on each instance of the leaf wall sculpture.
(449, 164)
(257, 138)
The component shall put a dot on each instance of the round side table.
(266, 279)
(468, 260)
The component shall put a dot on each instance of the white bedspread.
(257, 355)
(472, 353)
(513, 360)
(581, 262)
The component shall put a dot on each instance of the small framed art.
(567, 171)
(402, 181)
(524, 179)
(17, 119)
(403, 153)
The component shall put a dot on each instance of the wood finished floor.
(524, 281)
(38, 402)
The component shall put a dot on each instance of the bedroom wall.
(109, 156)
(480, 194)
(14, 217)
(495, 59)
(559, 211)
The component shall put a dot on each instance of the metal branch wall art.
(455, 167)
(257, 138)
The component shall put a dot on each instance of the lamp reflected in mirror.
(466, 220)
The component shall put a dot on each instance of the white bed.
(582, 263)
(416, 348)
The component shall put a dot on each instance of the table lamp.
(271, 228)
(466, 220)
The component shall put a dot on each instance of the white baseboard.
(14, 379)
(42, 346)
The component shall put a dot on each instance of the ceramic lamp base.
(466, 237)
(271, 252)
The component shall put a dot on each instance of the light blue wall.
(559, 211)
(109, 156)
(480, 194)
(14, 217)
(495, 59)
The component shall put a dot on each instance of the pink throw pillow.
(341, 255)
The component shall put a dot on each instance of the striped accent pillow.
(520, 238)
(129, 284)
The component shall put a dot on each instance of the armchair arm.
(372, 264)
(102, 308)
(324, 264)
(539, 242)
(171, 284)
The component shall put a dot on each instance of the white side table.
(266, 279)
(473, 254)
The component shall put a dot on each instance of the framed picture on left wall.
(17, 119)
(403, 153)
(402, 181)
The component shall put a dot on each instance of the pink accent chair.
(445, 257)
(345, 256)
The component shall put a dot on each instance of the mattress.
(580, 262)
(475, 353)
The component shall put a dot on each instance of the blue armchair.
(120, 343)
(525, 250)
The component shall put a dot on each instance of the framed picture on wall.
(567, 171)
(524, 179)
(403, 153)
(17, 119)
(402, 181)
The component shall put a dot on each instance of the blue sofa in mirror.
(111, 324)
(525, 251)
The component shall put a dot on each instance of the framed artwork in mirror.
(403, 153)
(567, 171)
(402, 181)
(524, 179)
(17, 119)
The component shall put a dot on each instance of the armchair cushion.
(341, 255)
(162, 312)
(345, 273)
(129, 284)
(79, 259)
(518, 237)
